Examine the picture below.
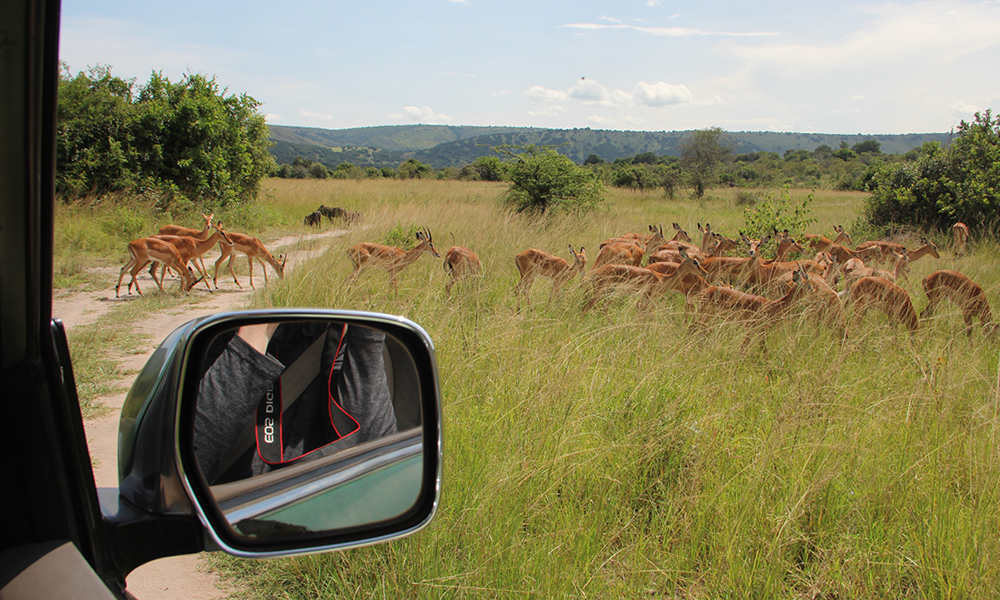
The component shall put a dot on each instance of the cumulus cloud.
(662, 94)
(420, 114)
(592, 92)
(962, 111)
(316, 117)
(537, 92)
(271, 117)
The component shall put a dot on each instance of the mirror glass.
(308, 426)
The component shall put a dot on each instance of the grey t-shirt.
(235, 384)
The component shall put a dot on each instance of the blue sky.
(826, 67)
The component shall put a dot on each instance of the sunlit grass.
(618, 454)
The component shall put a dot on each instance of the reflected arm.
(228, 396)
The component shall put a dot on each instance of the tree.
(959, 182)
(542, 179)
(489, 168)
(414, 169)
(186, 137)
(702, 153)
(867, 146)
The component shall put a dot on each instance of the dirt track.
(181, 577)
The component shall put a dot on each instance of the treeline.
(844, 168)
(186, 141)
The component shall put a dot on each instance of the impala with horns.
(390, 258)
(537, 263)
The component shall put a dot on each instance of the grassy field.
(618, 455)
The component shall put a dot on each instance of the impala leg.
(121, 275)
(263, 266)
(250, 262)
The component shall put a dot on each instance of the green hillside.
(446, 146)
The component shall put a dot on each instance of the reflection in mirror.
(308, 427)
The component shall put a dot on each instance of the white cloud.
(422, 114)
(963, 111)
(271, 118)
(316, 117)
(662, 94)
(537, 92)
(588, 90)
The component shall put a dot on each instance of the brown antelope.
(870, 293)
(253, 248)
(145, 250)
(190, 247)
(967, 294)
(844, 254)
(461, 262)
(721, 244)
(198, 234)
(619, 253)
(640, 239)
(647, 281)
(537, 263)
(886, 249)
(821, 243)
(961, 232)
(786, 245)
(757, 312)
(390, 258)
(854, 270)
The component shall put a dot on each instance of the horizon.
(875, 68)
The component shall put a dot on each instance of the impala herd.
(750, 289)
(174, 247)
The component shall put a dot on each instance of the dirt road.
(181, 577)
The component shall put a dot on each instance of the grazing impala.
(646, 281)
(190, 247)
(757, 312)
(961, 232)
(390, 258)
(198, 234)
(870, 293)
(855, 269)
(253, 248)
(537, 263)
(461, 262)
(967, 294)
(144, 250)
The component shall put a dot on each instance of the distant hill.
(447, 146)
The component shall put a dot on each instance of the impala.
(886, 249)
(641, 239)
(198, 234)
(144, 250)
(253, 248)
(870, 293)
(390, 258)
(190, 247)
(961, 232)
(844, 254)
(647, 281)
(461, 262)
(854, 270)
(628, 251)
(967, 294)
(754, 311)
(537, 263)
(821, 243)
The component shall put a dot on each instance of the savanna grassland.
(618, 454)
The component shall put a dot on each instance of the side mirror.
(292, 430)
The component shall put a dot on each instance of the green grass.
(619, 455)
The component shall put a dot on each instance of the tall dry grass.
(619, 454)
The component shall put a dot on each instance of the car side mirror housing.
(287, 431)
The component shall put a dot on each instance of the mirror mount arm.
(130, 531)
